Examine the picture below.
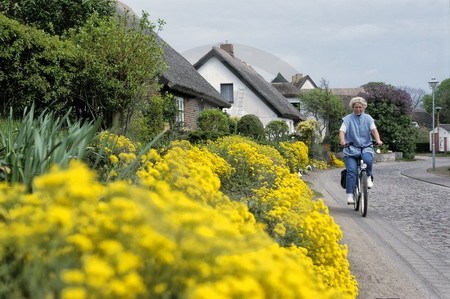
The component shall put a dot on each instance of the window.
(180, 115)
(226, 90)
(200, 106)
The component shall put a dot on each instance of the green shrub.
(277, 130)
(198, 136)
(213, 120)
(251, 126)
(232, 123)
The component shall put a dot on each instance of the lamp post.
(437, 128)
(433, 83)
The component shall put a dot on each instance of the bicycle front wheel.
(364, 195)
(356, 197)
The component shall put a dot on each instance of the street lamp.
(437, 128)
(433, 83)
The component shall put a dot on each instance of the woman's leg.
(352, 173)
(368, 159)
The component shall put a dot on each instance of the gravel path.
(401, 249)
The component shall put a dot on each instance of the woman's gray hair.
(358, 100)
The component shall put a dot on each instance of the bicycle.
(360, 192)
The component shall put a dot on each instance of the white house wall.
(308, 85)
(444, 139)
(216, 73)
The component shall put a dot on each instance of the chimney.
(296, 78)
(227, 47)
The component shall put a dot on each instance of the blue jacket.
(358, 132)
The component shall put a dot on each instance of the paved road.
(402, 248)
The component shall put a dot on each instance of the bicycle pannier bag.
(343, 178)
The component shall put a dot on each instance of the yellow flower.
(82, 241)
(113, 159)
(73, 293)
(73, 276)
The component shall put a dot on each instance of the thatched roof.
(445, 127)
(423, 118)
(346, 94)
(287, 89)
(183, 77)
(255, 82)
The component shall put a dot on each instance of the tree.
(416, 94)
(441, 99)
(35, 67)
(391, 108)
(123, 61)
(55, 17)
(325, 107)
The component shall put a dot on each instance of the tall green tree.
(325, 107)
(391, 108)
(35, 67)
(55, 17)
(441, 99)
(123, 61)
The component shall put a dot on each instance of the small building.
(441, 137)
(245, 89)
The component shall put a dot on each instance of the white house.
(441, 138)
(246, 90)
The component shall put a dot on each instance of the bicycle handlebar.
(361, 147)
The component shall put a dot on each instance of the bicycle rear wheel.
(364, 195)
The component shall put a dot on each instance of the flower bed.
(173, 229)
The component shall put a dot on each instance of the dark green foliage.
(159, 115)
(232, 124)
(199, 136)
(55, 17)
(108, 75)
(391, 108)
(423, 147)
(213, 120)
(277, 130)
(34, 68)
(251, 126)
(122, 63)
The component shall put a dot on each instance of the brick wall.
(192, 108)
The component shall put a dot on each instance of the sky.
(346, 43)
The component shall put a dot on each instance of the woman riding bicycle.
(358, 129)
